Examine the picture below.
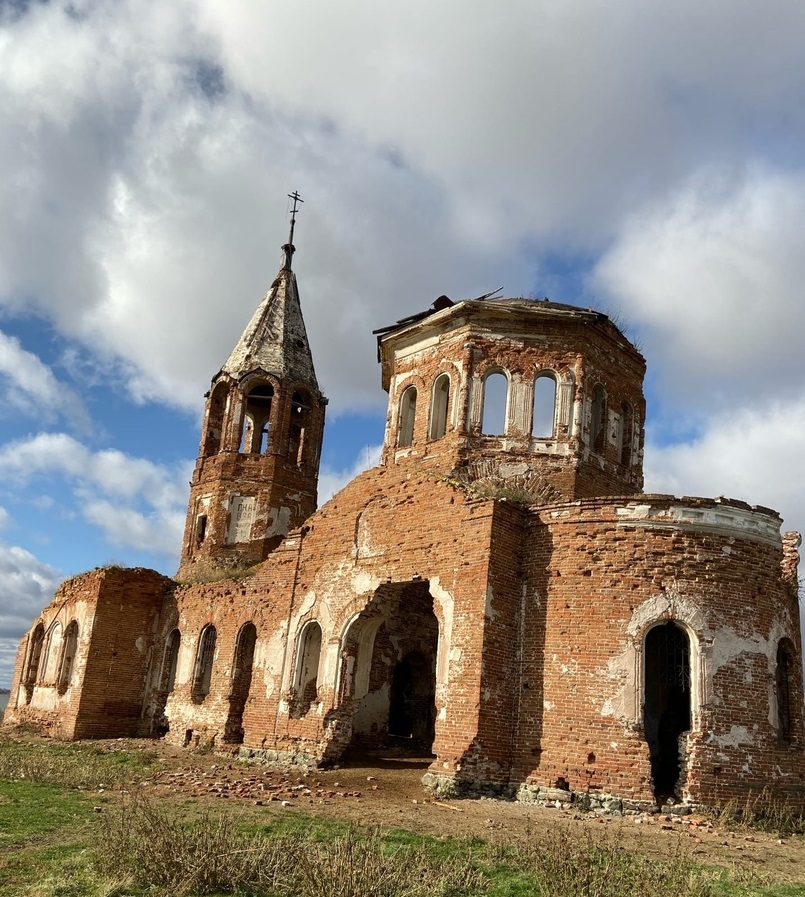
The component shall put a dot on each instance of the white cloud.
(752, 454)
(157, 531)
(714, 277)
(332, 480)
(144, 146)
(136, 502)
(26, 585)
(5, 519)
(32, 388)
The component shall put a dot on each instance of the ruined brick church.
(498, 592)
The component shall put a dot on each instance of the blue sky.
(645, 159)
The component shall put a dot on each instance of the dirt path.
(387, 791)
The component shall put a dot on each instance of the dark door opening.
(667, 704)
(412, 700)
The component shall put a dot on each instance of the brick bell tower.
(258, 463)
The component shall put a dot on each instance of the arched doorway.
(387, 684)
(667, 708)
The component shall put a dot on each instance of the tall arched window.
(405, 435)
(67, 662)
(169, 662)
(496, 393)
(50, 662)
(626, 434)
(34, 661)
(300, 422)
(202, 675)
(241, 683)
(257, 419)
(306, 681)
(597, 417)
(438, 406)
(782, 681)
(543, 421)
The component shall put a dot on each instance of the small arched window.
(202, 675)
(170, 661)
(307, 667)
(67, 662)
(300, 422)
(438, 406)
(257, 419)
(34, 661)
(782, 680)
(543, 421)
(626, 435)
(215, 420)
(496, 394)
(598, 412)
(405, 436)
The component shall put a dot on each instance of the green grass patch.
(44, 834)
(31, 810)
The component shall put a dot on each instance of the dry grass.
(763, 811)
(578, 864)
(149, 847)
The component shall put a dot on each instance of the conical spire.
(275, 339)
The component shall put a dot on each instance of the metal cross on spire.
(296, 199)
(289, 248)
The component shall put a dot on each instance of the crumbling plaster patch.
(721, 519)
(447, 657)
(711, 650)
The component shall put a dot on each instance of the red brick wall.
(597, 581)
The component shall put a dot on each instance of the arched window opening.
(257, 419)
(202, 675)
(407, 417)
(626, 435)
(782, 679)
(496, 394)
(215, 420)
(169, 662)
(306, 683)
(50, 661)
(34, 660)
(300, 421)
(597, 417)
(167, 680)
(543, 421)
(241, 683)
(68, 652)
(666, 709)
(438, 406)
